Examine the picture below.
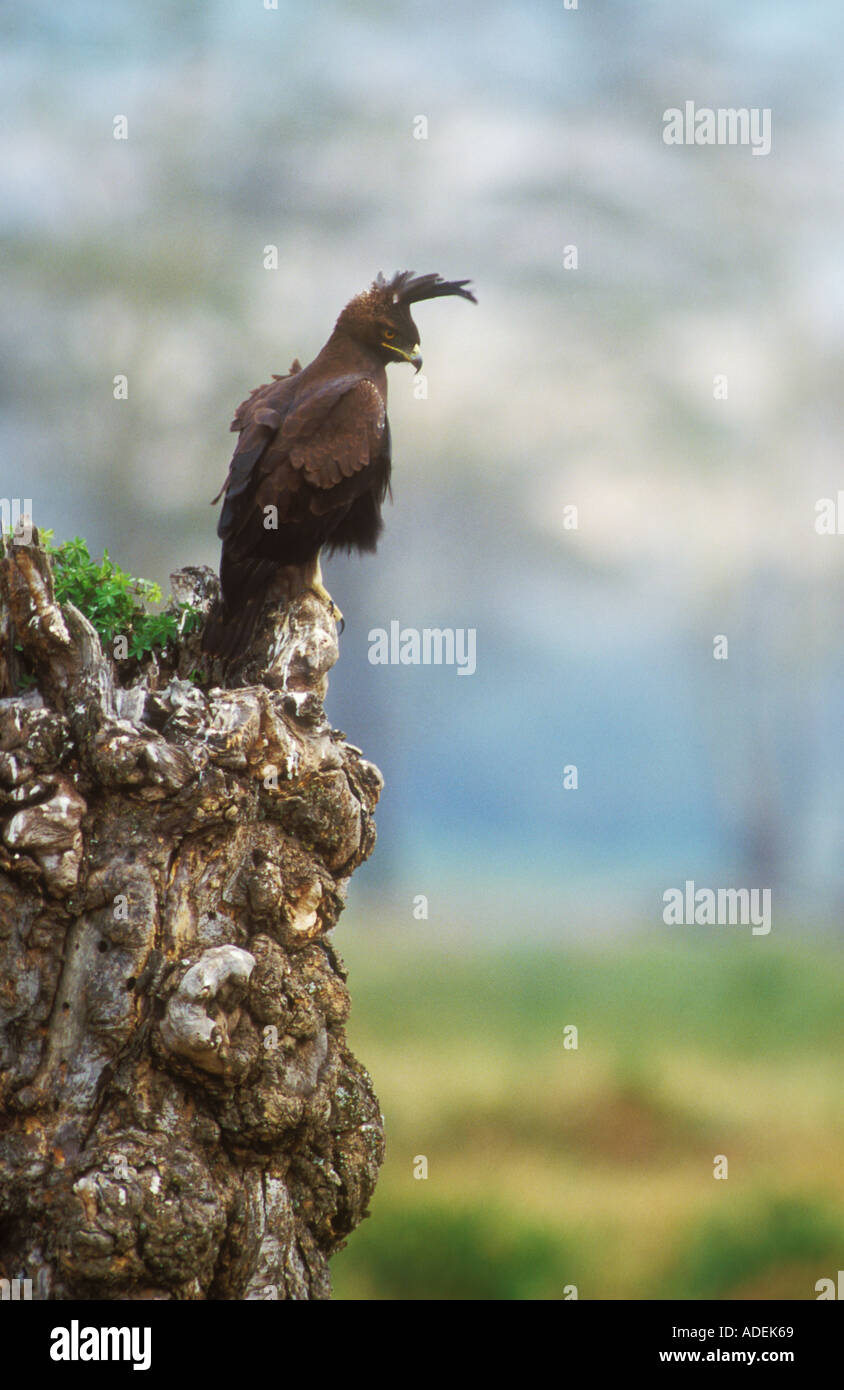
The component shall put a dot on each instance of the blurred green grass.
(593, 1167)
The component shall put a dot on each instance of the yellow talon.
(317, 587)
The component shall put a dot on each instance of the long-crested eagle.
(312, 464)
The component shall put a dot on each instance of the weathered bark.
(181, 1116)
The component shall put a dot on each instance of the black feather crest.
(407, 288)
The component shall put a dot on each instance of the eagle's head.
(380, 317)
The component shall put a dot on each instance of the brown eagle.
(312, 464)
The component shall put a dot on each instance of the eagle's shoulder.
(319, 397)
(275, 394)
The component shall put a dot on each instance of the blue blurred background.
(590, 387)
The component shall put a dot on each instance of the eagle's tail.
(231, 625)
(228, 634)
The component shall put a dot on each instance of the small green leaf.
(113, 601)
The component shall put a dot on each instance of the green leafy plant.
(113, 601)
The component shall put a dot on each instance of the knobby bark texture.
(180, 1115)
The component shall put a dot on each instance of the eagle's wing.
(305, 459)
(311, 468)
(257, 419)
(346, 442)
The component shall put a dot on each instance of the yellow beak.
(414, 357)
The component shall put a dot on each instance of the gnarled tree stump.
(181, 1116)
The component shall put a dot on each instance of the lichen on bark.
(180, 1115)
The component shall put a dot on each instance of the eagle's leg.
(316, 586)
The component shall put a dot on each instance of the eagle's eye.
(389, 333)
